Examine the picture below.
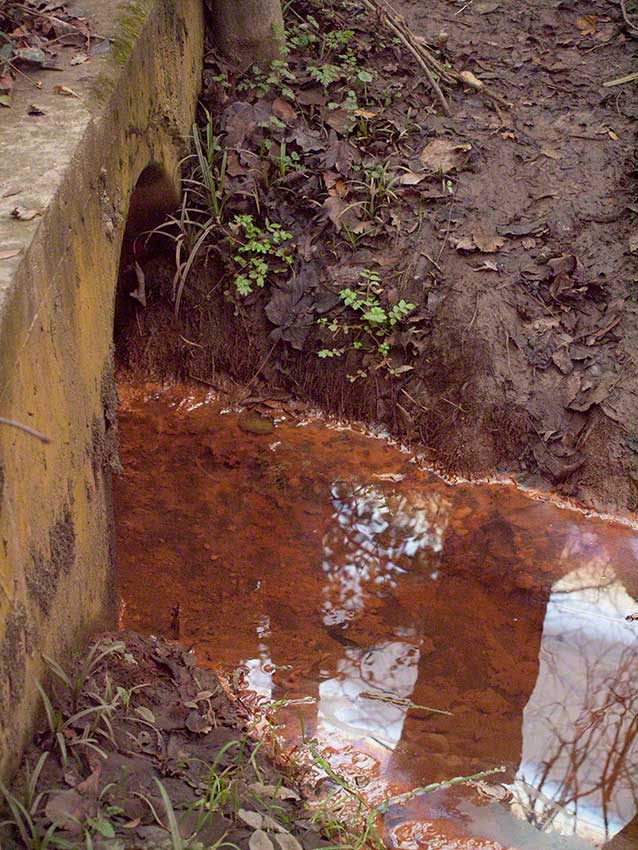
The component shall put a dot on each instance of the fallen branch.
(402, 703)
(434, 70)
(400, 799)
(422, 55)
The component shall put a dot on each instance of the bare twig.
(621, 81)
(626, 19)
(26, 428)
(402, 703)
(393, 22)
(46, 17)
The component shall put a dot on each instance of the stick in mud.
(402, 703)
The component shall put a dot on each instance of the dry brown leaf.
(279, 792)
(284, 111)
(486, 266)
(528, 242)
(486, 242)
(23, 214)
(365, 113)
(339, 189)
(411, 178)
(550, 153)
(65, 91)
(465, 243)
(586, 24)
(340, 213)
(68, 810)
(338, 119)
(259, 841)
(253, 819)
(443, 155)
(471, 80)
(140, 292)
(287, 842)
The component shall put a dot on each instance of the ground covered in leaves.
(467, 278)
(42, 35)
(141, 749)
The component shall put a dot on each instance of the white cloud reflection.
(579, 767)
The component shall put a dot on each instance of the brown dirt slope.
(556, 323)
(520, 353)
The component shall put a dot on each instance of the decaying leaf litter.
(42, 35)
(143, 749)
(503, 233)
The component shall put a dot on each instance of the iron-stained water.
(325, 563)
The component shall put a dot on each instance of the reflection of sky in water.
(578, 773)
(391, 669)
(372, 540)
(579, 770)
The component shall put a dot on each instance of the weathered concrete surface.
(79, 164)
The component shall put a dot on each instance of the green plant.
(75, 683)
(379, 184)
(372, 325)
(177, 842)
(258, 252)
(358, 828)
(202, 208)
(288, 161)
(208, 177)
(23, 820)
(374, 321)
(337, 39)
(25, 817)
(325, 74)
(276, 77)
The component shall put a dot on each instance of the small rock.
(255, 423)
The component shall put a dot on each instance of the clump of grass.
(347, 816)
(202, 208)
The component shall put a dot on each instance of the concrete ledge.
(79, 164)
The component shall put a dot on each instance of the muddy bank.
(508, 233)
(145, 750)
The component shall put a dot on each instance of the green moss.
(129, 24)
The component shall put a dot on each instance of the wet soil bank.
(417, 630)
(150, 753)
(511, 231)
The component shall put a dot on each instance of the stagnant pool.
(323, 563)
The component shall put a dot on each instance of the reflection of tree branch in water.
(601, 740)
(375, 537)
(567, 591)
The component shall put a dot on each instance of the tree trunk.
(248, 31)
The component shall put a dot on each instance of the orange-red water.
(330, 566)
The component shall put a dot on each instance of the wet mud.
(320, 565)
(519, 355)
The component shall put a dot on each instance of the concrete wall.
(78, 164)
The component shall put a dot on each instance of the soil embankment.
(496, 241)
